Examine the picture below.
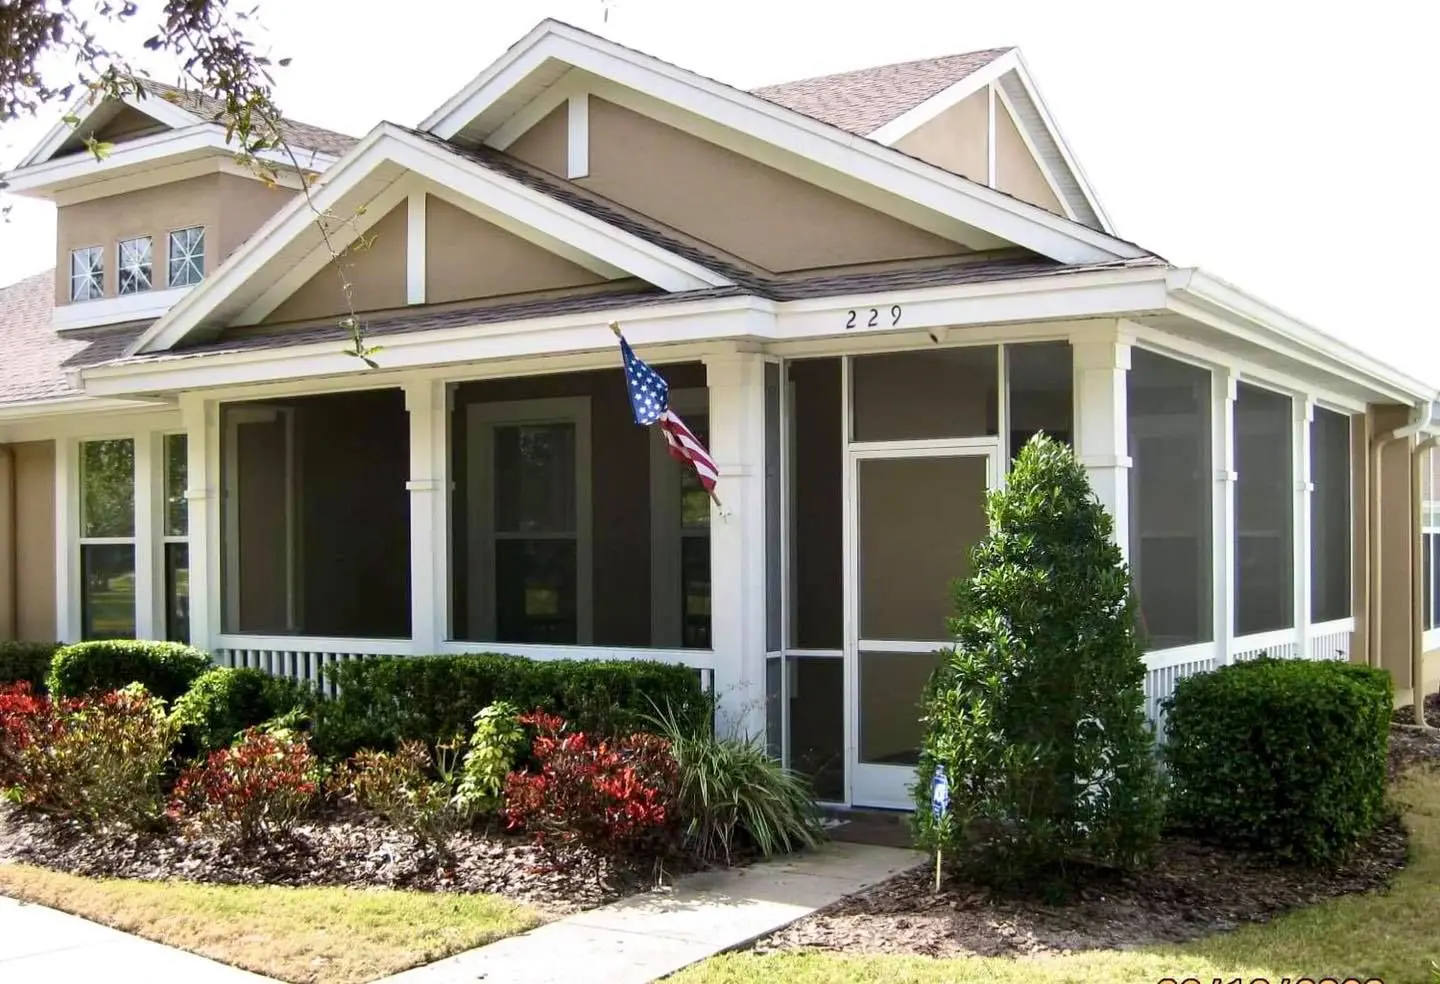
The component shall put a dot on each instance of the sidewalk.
(646, 937)
(43, 945)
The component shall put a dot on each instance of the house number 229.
(870, 317)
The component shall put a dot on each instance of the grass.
(1391, 936)
(301, 935)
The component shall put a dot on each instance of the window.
(135, 265)
(87, 273)
(1330, 521)
(1170, 496)
(1264, 511)
(107, 539)
(530, 464)
(176, 540)
(187, 257)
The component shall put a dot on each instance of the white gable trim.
(1007, 70)
(1005, 106)
(160, 110)
(571, 83)
(511, 205)
(918, 115)
(814, 151)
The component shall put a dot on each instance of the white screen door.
(913, 515)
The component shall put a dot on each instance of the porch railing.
(304, 658)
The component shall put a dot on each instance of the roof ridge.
(211, 109)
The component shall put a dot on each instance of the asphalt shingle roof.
(864, 100)
(299, 135)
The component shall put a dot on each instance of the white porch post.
(736, 380)
(429, 487)
(1304, 414)
(201, 423)
(149, 573)
(1223, 389)
(67, 529)
(1101, 362)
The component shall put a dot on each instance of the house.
(866, 291)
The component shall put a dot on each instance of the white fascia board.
(193, 141)
(520, 209)
(140, 306)
(917, 116)
(829, 148)
(1067, 297)
(15, 414)
(559, 335)
(162, 111)
(1027, 82)
(460, 99)
(571, 83)
(1008, 108)
(1210, 300)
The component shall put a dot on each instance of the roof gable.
(387, 169)
(555, 60)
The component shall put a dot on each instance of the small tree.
(1037, 713)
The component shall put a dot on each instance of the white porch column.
(1222, 443)
(429, 487)
(1101, 362)
(201, 422)
(736, 380)
(149, 571)
(1304, 414)
(67, 529)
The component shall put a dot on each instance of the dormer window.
(136, 265)
(87, 273)
(187, 257)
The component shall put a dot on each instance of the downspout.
(1417, 584)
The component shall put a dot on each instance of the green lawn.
(1392, 937)
(301, 935)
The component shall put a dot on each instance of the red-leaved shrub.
(616, 797)
(95, 759)
(261, 785)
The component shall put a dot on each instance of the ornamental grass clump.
(1036, 714)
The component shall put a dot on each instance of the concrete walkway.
(40, 944)
(647, 937)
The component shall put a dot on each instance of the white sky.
(1287, 150)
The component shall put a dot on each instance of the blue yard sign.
(939, 793)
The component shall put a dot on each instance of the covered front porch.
(511, 504)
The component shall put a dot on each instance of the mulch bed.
(1194, 890)
(344, 847)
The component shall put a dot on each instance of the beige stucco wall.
(1392, 499)
(27, 507)
(957, 140)
(774, 220)
(1016, 172)
(229, 206)
(467, 257)
(376, 274)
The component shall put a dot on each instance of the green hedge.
(1287, 756)
(385, 700)
(165, 668)
(222, 702)
(28, 661)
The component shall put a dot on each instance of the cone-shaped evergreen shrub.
(1037, 713)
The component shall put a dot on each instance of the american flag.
(650, 400)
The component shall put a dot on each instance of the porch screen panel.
(1264, 511)
(1331, 525)
(816, 505)
(315, 531)
(932, 393)
(1171, 478)
(570, 524)
(1041, 392)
